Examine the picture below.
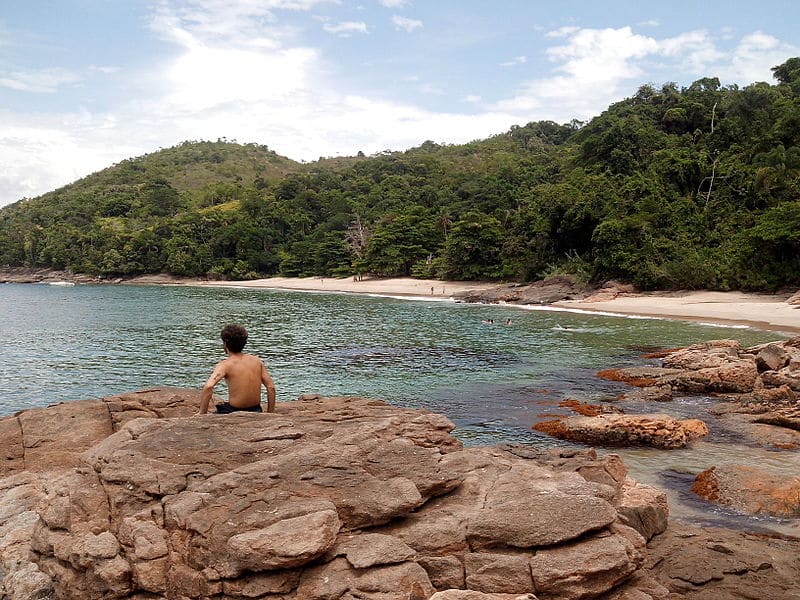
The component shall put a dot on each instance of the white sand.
(761, 311)
(399, 286)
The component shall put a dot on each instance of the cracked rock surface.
(328, 498)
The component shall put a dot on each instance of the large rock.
(656, 430)
(328, 498)
(750, 490)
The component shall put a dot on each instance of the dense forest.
(695, 187)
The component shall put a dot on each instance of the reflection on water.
(491, 380)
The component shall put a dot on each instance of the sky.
(87, 83)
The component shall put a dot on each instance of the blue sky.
(86, 83)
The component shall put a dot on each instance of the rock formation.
(329, 498)
(759, 392)
(656, 430)
(750, 490)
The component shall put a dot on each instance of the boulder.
(656, 430)
(737, 376)
(705, 355)
(750, 490)
(327, 498)
(644, 508)
(772, 357)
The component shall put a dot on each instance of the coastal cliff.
(130, 496)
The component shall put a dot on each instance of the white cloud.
(517, 60)
(203, 77)
(240, 22)
(394, 3)
(345, 28)
(595, 67)
(565, 31)
(649, 23)
(104, 69)
(408, 25)
(472, 99)
(695, 48)
(754, 57)
(39, 154)
(44, 81)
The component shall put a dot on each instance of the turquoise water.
(70, 343)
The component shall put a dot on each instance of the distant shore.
(397, 286)
(769, 312)
(760, 311)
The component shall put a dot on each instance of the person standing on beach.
(244, 374)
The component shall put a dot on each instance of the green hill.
(696, 187)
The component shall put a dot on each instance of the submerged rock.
(750, 490)
(656, 430)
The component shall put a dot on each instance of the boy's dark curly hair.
(234, 337)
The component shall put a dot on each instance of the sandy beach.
(399, 286)
(761, 311)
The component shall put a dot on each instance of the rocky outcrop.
(656, 430)
(328, 498)
(750, 490)
(720, 366)
(547, 291)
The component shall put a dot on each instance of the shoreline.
(767, 312)
(758, 311)
(396, 286)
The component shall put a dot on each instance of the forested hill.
(695, 187)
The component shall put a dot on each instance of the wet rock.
(653, 393)
(656, 430)
(750, 490)
(643, 377)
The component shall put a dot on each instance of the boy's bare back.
(245, 374)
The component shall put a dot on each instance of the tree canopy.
(695, 187)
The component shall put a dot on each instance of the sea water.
(492, 380)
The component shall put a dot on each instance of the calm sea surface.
(70, 343)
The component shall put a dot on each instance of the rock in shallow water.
(750, 490)
(656, 430)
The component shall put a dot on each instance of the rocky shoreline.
(758, 401)
(339, 498)
(51, 276)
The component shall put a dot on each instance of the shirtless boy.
(245, 373)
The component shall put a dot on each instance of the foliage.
(696, 187)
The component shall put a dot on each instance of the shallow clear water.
(69, 343)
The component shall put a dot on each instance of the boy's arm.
(216, 376)
(270, 385)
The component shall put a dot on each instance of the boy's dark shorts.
(225, 409)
